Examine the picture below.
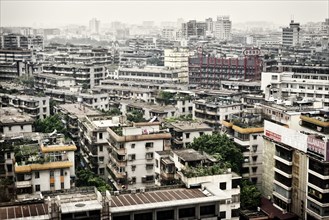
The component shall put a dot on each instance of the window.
(201, 133)
(149, 156)
(52, 185)
(101, 159)
(254, 169)
(156, 163)
(149, 166)
(254, 137)
(43, 102)
(254, 148)
(149, 144)
(133, 146)
(51, 173)
(37, 188)
(62, 185)
(133, 167)
(8, 155)
(187, 135)
(9, 128)
(254, 158)
(274, 77)
(37, 175)
(44, 110)
(100, 135)
(101, 148)
(131, 157)
(22, 127)
(9, 167)
(222, 186)
(222, 215)
(101, 171)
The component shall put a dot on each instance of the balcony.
(167, 176)
(282, 173)
(116, 174)
(119, 163)
(24, 184)
(282, 160)
(278, 195)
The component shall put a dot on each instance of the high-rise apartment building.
(290, 35)
(222, 28)
(94, 26)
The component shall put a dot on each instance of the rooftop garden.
(198, 171)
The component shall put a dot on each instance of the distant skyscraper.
(94, 26)
(194, 28)
(222, 28)
(290, 35)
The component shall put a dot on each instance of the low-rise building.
(158, 74)
(184, 132)
(131, 161)
(36, 107)
(47, 166)
(216, 111)
(307, 83)
(71, 115)
(51, 81)
(14, 121)
(181, 164)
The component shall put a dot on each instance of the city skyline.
(46, 13)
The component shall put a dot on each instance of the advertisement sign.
(318, 146)
(273, 135)
(287, 136)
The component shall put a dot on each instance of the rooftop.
(79, 110)
(46, 166)
(10, 115)
(189, 155)
(159, 199)
(190, 126)
(28, 211)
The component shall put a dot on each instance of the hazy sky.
(60, 12)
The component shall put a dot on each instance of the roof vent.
(80, 205)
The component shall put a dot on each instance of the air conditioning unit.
(133, 191)
(142, 190)
(116, 193)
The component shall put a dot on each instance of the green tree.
(166, 97)
(113, 112)
(250, 196)
(49, 124)
(86, 177)
(135, 116)
(222, 147)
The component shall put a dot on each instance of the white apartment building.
(95, 100)
(157, 74)
(14, 122)
(54, 170)
(287, 85)
(131, 161)
(94, 141)
(177, 58)
(168, 33)
(51, 81)
(212, 113)
(36, 107)
(246, 130)
(222, 28)
(169, 166)
(149, 110)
